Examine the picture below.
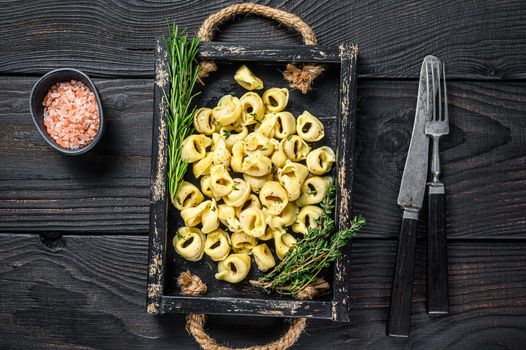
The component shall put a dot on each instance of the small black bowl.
(40, 90)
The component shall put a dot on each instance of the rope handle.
(195, 323)
(300, 78)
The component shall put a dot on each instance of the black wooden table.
(73, 231)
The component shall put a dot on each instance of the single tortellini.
(295, 148)
(278, 158)
(240, 193)
(203, 121)
(257, 143)
(286, 218)
(243, 243)
(263, 257)
(228, 110)
(234, 268)
(194, 147)
(283, 242)
(192, 216)
(217, 245)
(202, 166)
(252, 108)
(309, 127)
(189, 242)
(276, 99)
(187, 196)
(256, 165)
(267, 127)
(247, 79)
(320, 160)
(227, 216)
(221, 182)
(232, 138)
(285, 125)
(206, 186)
(314, 190)
(257, 182)
(219, 150)
(209, 216)
(251, 202)
(273, 197)
(308, 217)
(291, 176)
(238, 154)
(253, 222)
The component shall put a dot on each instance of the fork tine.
(439, 93)
(446, 117)
(433, 91)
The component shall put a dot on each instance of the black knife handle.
(399, 321)
(437, 288)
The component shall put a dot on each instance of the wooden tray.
(333, 100)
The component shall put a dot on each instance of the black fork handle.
(437, 286)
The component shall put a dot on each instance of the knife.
(410, 198)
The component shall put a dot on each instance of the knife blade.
(410, 198)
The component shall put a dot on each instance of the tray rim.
(337, 309)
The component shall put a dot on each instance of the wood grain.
(108, 189)
(116, 38)
(90, 294)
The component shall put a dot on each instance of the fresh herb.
(226, 133)
(210, 266)
(264, 149)
(314, 252)
(313, 192)
(289, 137)
(182, 73)
(234, 188)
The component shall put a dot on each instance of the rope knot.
(191, 284)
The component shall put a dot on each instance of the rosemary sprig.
(314, 252)
(182, 72)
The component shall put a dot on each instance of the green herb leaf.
(226, 133)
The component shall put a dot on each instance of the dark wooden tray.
(333, 100)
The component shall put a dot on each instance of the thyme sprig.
(182, 73)
(314, 252)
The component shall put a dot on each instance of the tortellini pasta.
(203, 121)
(234, 268)
(228, 110)
(309, 128)
(239, 195)
(320, 160)
(189, 242)
(187, 196)
(252, 109)
(247, 79)
(295, 148)
(256, 165)
(221, 182)
(276, 99)
(253, 222)
(217, 245)
(283, 242)
(263, 257)
(262, 181)
(194, 147)
(273, 197)
(243, 243)
(307, 218)
(314, 190)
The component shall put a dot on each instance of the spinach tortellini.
(259, 181)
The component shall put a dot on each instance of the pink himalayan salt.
(71, 114)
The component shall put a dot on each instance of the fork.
(437, 284)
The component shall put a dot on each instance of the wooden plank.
(485, 41)
(108, 189)
(90, 293)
